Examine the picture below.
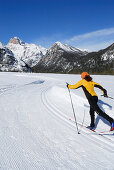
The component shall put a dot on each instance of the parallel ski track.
(55, 112)
(7, 88)
(101, 141)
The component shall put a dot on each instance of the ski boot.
(91, 127)
(112, 127)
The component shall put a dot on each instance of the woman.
(88, 87)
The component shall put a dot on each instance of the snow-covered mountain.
(66, 59)
(8, 61)
(68, 48)
(59, 58)
(99, 62)
(19, 56)
(1, 45)
(30, 53)
(109, 53)
(16, 40)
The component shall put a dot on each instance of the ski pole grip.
(67, 84)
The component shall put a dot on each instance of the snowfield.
(37, 129)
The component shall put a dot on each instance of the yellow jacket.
(88, 87)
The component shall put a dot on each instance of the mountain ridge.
(25, 54)
(61, 61)
(59, 58)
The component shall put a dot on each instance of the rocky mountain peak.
(58, 43)
(68, 48)
(16, 40)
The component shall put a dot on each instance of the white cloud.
(93, 41)
(95, 34)
(96, 46)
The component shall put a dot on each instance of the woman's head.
(86, 76)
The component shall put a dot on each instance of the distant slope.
(19, 56)
(59, 58)
(30, 53)
(98, 62)
(65, 59)
(7, 59)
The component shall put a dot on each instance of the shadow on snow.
(101, 103)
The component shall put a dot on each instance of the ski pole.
(73, 111)
(108, 97)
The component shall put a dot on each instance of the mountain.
(8, 61)
(98, 62)
(59, 58)
(19, 56)
(30, 53)
(16, 40)
(62, 58)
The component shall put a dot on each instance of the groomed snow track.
(105, 142)
(37, 128)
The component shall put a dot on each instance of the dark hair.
(88, 78)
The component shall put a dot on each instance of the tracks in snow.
(7, 88)
(103, 142)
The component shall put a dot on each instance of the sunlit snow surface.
(37, 129)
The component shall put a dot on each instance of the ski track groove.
(48, 105)
(94, 133)
(58, 114)
(5, 89)
(24, 151)
(32, 154)
(54, 106)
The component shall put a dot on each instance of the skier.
(88, 87)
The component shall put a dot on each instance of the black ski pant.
(95, 108)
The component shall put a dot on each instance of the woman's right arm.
(75, 86)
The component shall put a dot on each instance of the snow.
(35, 127)
(1, 45)
(108, 55)
(68, 48)
(30, 53)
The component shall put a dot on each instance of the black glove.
(67, 85)
(105, 93)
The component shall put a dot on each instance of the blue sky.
(86, 24)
